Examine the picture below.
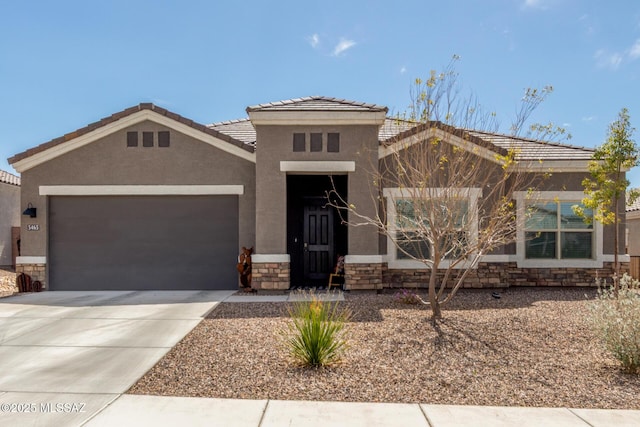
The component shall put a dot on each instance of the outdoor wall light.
(30, 211)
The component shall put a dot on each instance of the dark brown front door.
(318, 240)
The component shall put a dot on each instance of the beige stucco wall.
(358, 143)
(109, 161)
(9, 217)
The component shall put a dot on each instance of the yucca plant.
(316, 335)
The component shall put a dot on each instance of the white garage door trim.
(140, 190)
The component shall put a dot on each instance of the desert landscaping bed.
(7, 282)
(531, 347)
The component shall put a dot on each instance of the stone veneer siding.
(363, 276)
(36, 271)
(270, 276)
(493, 275)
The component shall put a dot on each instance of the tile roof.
(527, 149)
(241, 130)
(7, 178)
(124, 113)
(392, 127)
(242, 133)
(530, 149)
(633, 207)
(317, 103)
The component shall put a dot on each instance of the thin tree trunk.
(616, 262)
(433, 296)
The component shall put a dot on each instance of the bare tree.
(445, 195)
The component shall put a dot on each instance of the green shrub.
(316, 334)
(616, 319)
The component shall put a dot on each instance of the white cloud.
(588, 119)
(342, 46)
(634, 52)
(403, 70)
(314, 40)
(605, 59)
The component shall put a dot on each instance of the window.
(316, 142)
(411, 227)
(132, 139)
(299, 142)
(333, 142)
(554, 231)
(147, 139)
(163, 139)
(409, 212)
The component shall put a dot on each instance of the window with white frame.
(554, 231)
(410, 212)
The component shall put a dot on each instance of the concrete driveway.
(64, 356)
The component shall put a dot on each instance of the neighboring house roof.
(316, 103)
(634, 207)
(7, 178)
(124, 113)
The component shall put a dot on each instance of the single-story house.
(148, 199)
(9, 217)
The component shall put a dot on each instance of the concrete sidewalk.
(92, 410)
(134, 410)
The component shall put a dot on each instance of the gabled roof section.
(436, 127)
(112, 122)
(317, 103)
(528, 150)
(8, 178)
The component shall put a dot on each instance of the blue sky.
(65, 64)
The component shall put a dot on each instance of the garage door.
(143, 242)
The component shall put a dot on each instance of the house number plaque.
(33, 227)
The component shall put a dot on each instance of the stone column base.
(363, 272)
(270, 272)
(34, 266)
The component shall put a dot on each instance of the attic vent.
(163, 138)
(147, 139)
(333, 142)
(132, 139)
(299, 142)
(316, 142)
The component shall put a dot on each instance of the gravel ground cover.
(7, 282)
(531, 347)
